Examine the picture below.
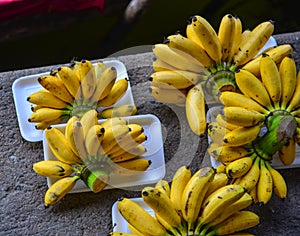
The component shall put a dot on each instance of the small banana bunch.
(202, 203)
(91, 152)
(73, 90)
(188, 69)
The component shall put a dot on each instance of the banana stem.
(281, 128)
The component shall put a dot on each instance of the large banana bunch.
(202, 203)
(91, 152)
(257, 123)
(72, 90)
(202, 63)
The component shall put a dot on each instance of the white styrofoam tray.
(155, 153)
(24, 86)
(276, 163)
(118, 221)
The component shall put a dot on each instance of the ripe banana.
(88, 82)
(287, 153)
(239, 167)
(46, 114)
(119, 111)
(265, 184)
(52, 168)
(79, 141)
(93, 139)
(59, 189)
(88, 119)
(216, 132)
(219, 180)
(138, 150)
(250, 179)
(132, 167)
(237, 37)
(295, 99)
(69, 133)
(170, 95)
(220, 120)
(159, 65)
(82, 68)
(195, 109)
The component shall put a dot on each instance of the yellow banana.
(253, 194)
(117, 91)
(44, 98)
(242, 116)
(190, 47)
(139, 218)
(216, 132)
(221, 169)
(239, 167)
(57, 87)
(219, 180)
(264, 185)
(138, 150)
(226, 34)
(220, 120)
(45, 124)
(295, 99)
(237, 37)
(163, 185)
(234, 99)
(45, 114)
(239, 221)
(69, 133)
(70, 79)
(225, 154)
(88, 84)
(52, 168)
(277, 53)
(177, 58)
(170, 95)
(193, 195)
(180, 179)
(108, 123)
(195, 109)
(208, 37)
(132, 167)
(88, 119)
(255, 41)
(60, 146)
(133, 230)
(176, 78)
(121, 110)
(190, 32)
(79, 141)
(271, 78)
(279, 184)
(93, 139)
(159, 65)
(287, 153)
(162, 206)
(122, 234)
(82, 68)
(250, 179)
(253, 88)
(105, 82)
(59, 189)
(214, 204)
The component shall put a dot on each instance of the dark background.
(54, 38)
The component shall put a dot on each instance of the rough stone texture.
(21, 190)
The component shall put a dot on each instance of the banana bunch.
(92, 152)
(202, 203)
(72, 90)
(204, 62)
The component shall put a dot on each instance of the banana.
(60, 146)
(52, 169)
(279, 184)
(70, 79)
(226, 35)
(190, 47)
(220, 120)
(241, 136)
(44, 98)
(288, 76)
(56, 86)
(177, 58)
(216, 132)
(163, 186)
(119, 111)
(82, 68)
(225, 153)
(239, 167)
(295, 99)
(88, 119)
(176, 78)
(88, 83)
(139, 218)
(122, 234)
(271, 78)
(162, 206)
(208, 37)
(237, 37)
(195, 109)
(93, 139)
(117, 91)
(45, 114)
(132, 167)
(105, 82)
(79, 140)
(235, 99)
(255, 41)
(159, 65)
(214, 204)
(219, 180)
(253, 88)
(221, 169)
(138, 150)
(250, 179)
(180, 179)
(287, 153)
(170, 95)
(108, 123)
(242, 116)
(277, 53)
(69, 133)
(59, 189)
(239, 221)
(193, 195)
(190, 32)
(45, 124)
(133, 230)
(264, 185)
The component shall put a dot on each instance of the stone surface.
(22, 210)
